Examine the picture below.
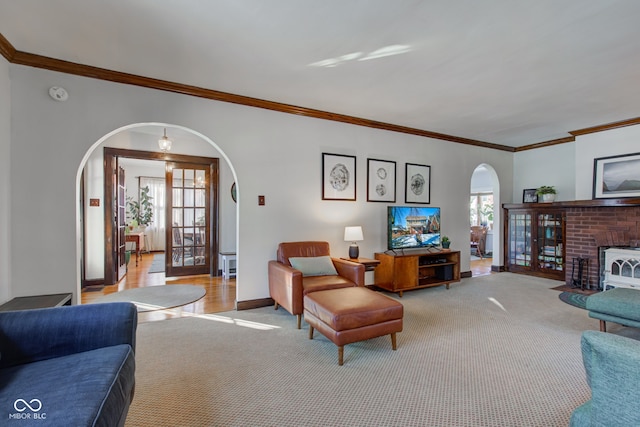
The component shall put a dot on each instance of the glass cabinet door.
(519, 248)
(549, 242)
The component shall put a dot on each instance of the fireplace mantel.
(595, 203)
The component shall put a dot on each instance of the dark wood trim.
(39, 61)
(608, 126)
(6, 49)
(110, 154)
(44, 62)
(546, 143)
(465, 274)
(498, 268)
(109, 171)
(596, 203)
(154, 155)
(254, 303)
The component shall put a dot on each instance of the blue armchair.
(612, 364)
(68, 366)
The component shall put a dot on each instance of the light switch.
(94, 202)
(260, 200)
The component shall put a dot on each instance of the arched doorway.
(484, 220)
(143, 137)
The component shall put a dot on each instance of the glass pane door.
(188, 235)
(550, 248)
(519, 248)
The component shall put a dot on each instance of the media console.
(415, 270)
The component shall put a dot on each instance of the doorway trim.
(110, 155)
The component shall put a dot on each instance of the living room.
(45, 145)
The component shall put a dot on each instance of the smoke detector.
(58, 93)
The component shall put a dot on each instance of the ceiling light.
(165, 143)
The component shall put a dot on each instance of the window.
(481, 209)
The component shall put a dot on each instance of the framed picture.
(529, 196)
(616, 176)
(418, 183)
(338, 177)
(381, 181)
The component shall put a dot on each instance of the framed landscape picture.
(418, 183)
(338, 177)
(616, 176)
(381, 181)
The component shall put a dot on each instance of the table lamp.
(353, 235)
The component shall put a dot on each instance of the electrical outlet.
(260, 200)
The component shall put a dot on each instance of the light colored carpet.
(157, 265)
(498, 350)
(160, 297)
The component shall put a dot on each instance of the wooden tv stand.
(401, 272)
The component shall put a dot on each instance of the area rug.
(153, 298)
(157, 265)
(492, 351)
(569, 288)
(574, 299)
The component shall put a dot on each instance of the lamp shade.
(353, 234)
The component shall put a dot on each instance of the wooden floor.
(481, 267)
(220, 296)
(221, 293)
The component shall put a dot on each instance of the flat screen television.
(411, 227)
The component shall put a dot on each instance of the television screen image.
(412, 227)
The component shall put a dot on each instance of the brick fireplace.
(590, 229)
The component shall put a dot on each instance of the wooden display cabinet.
(534, 239)
(415, 270)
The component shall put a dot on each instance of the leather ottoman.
(349, 315)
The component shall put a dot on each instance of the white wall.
(569, 167)
(272, 154)
(554, 166)
(624, 140)
(5, 179)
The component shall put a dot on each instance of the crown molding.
(579, 132)
(52, 64)
(608, 126)
(38, 61)
(6, 49)
(546, 143)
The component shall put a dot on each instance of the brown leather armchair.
(287, 286)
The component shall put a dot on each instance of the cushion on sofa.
(88, 388)
(314, 266)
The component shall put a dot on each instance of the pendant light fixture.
(165, 143)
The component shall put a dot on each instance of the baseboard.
(254, 303)
(465, 274)
(92, 285)
(498, 268)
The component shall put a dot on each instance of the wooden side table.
(369, 264)
(37, 301)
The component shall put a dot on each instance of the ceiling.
(505, 72)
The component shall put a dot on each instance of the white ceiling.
(501, 71)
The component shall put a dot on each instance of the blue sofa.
(612, 364)
(67, 366)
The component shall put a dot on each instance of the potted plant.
(547, 192)
(141, 211)
(445, 242)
